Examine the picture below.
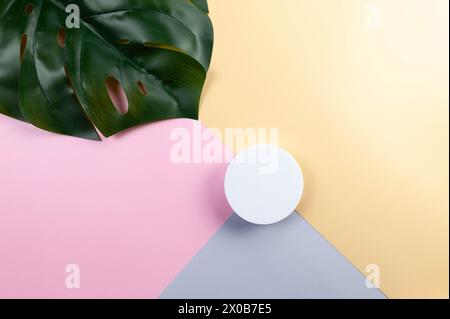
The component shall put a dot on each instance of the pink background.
(120, 209)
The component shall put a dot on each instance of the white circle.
(264, 184)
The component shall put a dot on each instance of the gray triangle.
(286, 260)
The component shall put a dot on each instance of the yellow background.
(363, 110)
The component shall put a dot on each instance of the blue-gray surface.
(287, 260)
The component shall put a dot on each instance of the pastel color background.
(363, 109)
(121, 210)
(365, 112)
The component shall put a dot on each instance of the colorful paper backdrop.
(359, 92)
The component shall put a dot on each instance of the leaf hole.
(117, 95)
(29, 9)
(62, 37)
(123, 41)
(23, 46)
(142, 88)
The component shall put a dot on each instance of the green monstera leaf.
(126, 63)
